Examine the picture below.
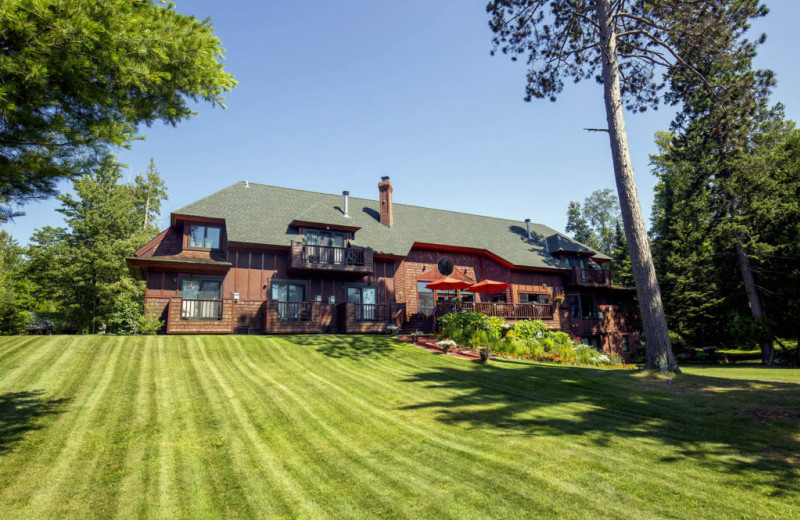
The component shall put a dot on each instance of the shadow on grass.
(355, 347)
(741, 426)
(20, 413)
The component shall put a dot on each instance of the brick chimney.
(385, 189)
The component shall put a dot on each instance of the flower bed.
(522, 340)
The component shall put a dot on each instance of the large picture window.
(204, 237)
(201, 299)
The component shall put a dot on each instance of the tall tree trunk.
(756, 309)
(658, 347)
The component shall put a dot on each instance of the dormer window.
(576, 261)
(204, 237)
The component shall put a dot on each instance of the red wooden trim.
(177, 217)
(384, 256)
(145, 248)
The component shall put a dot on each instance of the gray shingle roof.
(261, 214)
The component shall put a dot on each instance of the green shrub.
(479, 338)
(531, 329)
(494, 329)
(460, 326)
(149, 323)
(124, 317)
(585, 353)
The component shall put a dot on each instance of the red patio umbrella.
(447, 283)
(488, 286)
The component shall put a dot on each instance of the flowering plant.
(446, 344)
(559, 298)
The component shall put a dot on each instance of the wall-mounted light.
(544, 285)
(236, 297)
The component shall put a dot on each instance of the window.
(291, 301)
(576, 261)
(424, 299)
(534, 298)
(199, 289)
(204, 237)
(202, 299)
(593, 341)
(445, 266)
(325, 247)
(583, 306)
(288, 292)
(366, 300)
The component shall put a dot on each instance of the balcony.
(590, 277)
(330, 259)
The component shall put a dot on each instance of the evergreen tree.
(578, 225)
(78, 78)
(86, 260)
(14, 288)
(683, 249)
(149, 191)
(621, 271)
(595, 222)
(620, 43)
(722, 194)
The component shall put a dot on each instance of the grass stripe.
(365, 427)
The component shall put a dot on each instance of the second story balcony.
(313, 257)
(590, 277)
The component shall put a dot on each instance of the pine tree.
(620, 43)
(85, 262)
(79, 77)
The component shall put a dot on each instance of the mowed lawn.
(368, 427)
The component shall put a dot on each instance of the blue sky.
(334, 95)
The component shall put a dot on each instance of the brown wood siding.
(351, 325)
(275, 326)
(253, 270)
(176, 325)
(249, 317)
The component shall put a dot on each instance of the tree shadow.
(741, 426)
(20, 413)
(356, 347)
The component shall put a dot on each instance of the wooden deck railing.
(316, 254)
(509, 311)
(201, 309)
(309, 257)
(592, 277)
(294, 311)
(374, 311)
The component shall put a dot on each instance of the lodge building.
(255, 259)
